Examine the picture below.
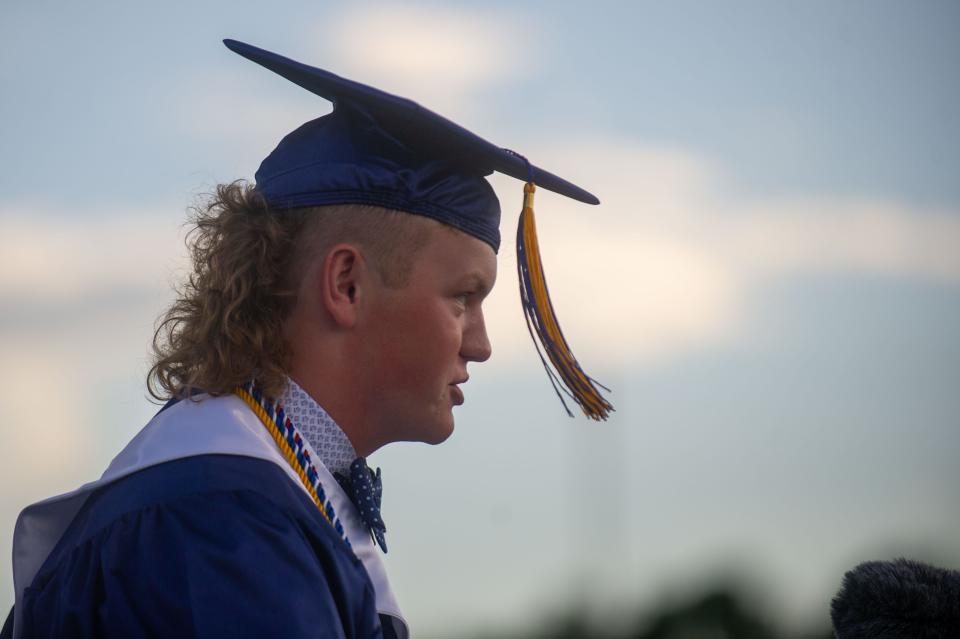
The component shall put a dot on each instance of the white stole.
(202, 426)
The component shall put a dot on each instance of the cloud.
(25, 389)
(57, 261)
(79, 291)
(441, 56)
(620, 292)
(881, 237)
(665, 265)
(669, 260)
(437, 54)
(244, 111)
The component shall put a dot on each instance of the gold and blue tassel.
(566, 374)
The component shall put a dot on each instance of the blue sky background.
(771, 285)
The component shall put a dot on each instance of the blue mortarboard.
(380, 149)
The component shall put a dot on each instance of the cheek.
(425, 348)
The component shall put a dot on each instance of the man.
(333, 308)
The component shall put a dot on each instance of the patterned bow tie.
(365, 491)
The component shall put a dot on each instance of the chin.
(438, 438)
(438, 433)
(432, 430)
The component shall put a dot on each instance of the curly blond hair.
(226, 325)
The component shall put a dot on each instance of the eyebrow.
(476, 281)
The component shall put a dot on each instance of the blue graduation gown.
(205, 546)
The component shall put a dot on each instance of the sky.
(770, 285)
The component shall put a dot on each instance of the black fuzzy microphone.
(900, 599)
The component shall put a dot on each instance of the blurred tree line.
(719, 613)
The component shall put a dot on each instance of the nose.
(476, 345)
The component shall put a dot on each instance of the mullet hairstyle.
(226, 325)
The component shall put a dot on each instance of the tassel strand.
(566, 373)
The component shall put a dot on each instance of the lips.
(456, 395)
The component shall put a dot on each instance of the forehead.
(452, 255)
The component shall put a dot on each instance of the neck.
(340, 392)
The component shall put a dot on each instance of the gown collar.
(318, 428)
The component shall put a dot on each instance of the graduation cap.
(380, 149)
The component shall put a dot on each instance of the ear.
(344, 279)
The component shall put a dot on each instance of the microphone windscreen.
(897, 599)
